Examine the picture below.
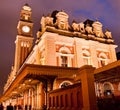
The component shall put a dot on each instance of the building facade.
(64, 56)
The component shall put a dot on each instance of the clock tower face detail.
(26, 29)
(25, 25)
(24, 39)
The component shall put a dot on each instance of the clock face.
(26, 29)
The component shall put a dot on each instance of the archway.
(65, 84)
(107, 89)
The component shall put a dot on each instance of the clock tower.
(24, 39)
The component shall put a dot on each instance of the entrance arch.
(65, 84)
(108, 88)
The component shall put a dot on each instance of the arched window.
(64, 61)
(103, 59)
(108, 88)
(64, 57)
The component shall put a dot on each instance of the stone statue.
(99, 34)
(63, 25)
(89, 29)
(62, 20)
(46, 21)
(108, 34)
(49, 20)
(43, 21)
(75, 26)
(97, 29)
(81, 27)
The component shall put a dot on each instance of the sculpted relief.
(87, 27)
(75, 26)
(108, 34)
(48, 20)
(62, 20)
(97, 29)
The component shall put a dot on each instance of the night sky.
(106, 11)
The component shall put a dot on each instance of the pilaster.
(112, 53)
(78, 53)
(40, 96)
(94, 59)
(85, 74)
(50, 50)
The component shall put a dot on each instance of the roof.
(110, 72)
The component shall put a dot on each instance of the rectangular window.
(102, 63)
(64, 61)
(85, 61)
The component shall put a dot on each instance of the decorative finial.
(97, 19)
(27, 7)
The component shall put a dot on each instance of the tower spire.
(24, 39)
(26, 12)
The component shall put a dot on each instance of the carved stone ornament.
(82, 28)
(108, 34)
(75, 26)
(89, 29)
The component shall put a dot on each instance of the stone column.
(40, 96)
(25, 102)
(29, 99)
(49, 88)
(32, 98)
(85, 74)
(35, 98)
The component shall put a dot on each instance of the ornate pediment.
(57, 22)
